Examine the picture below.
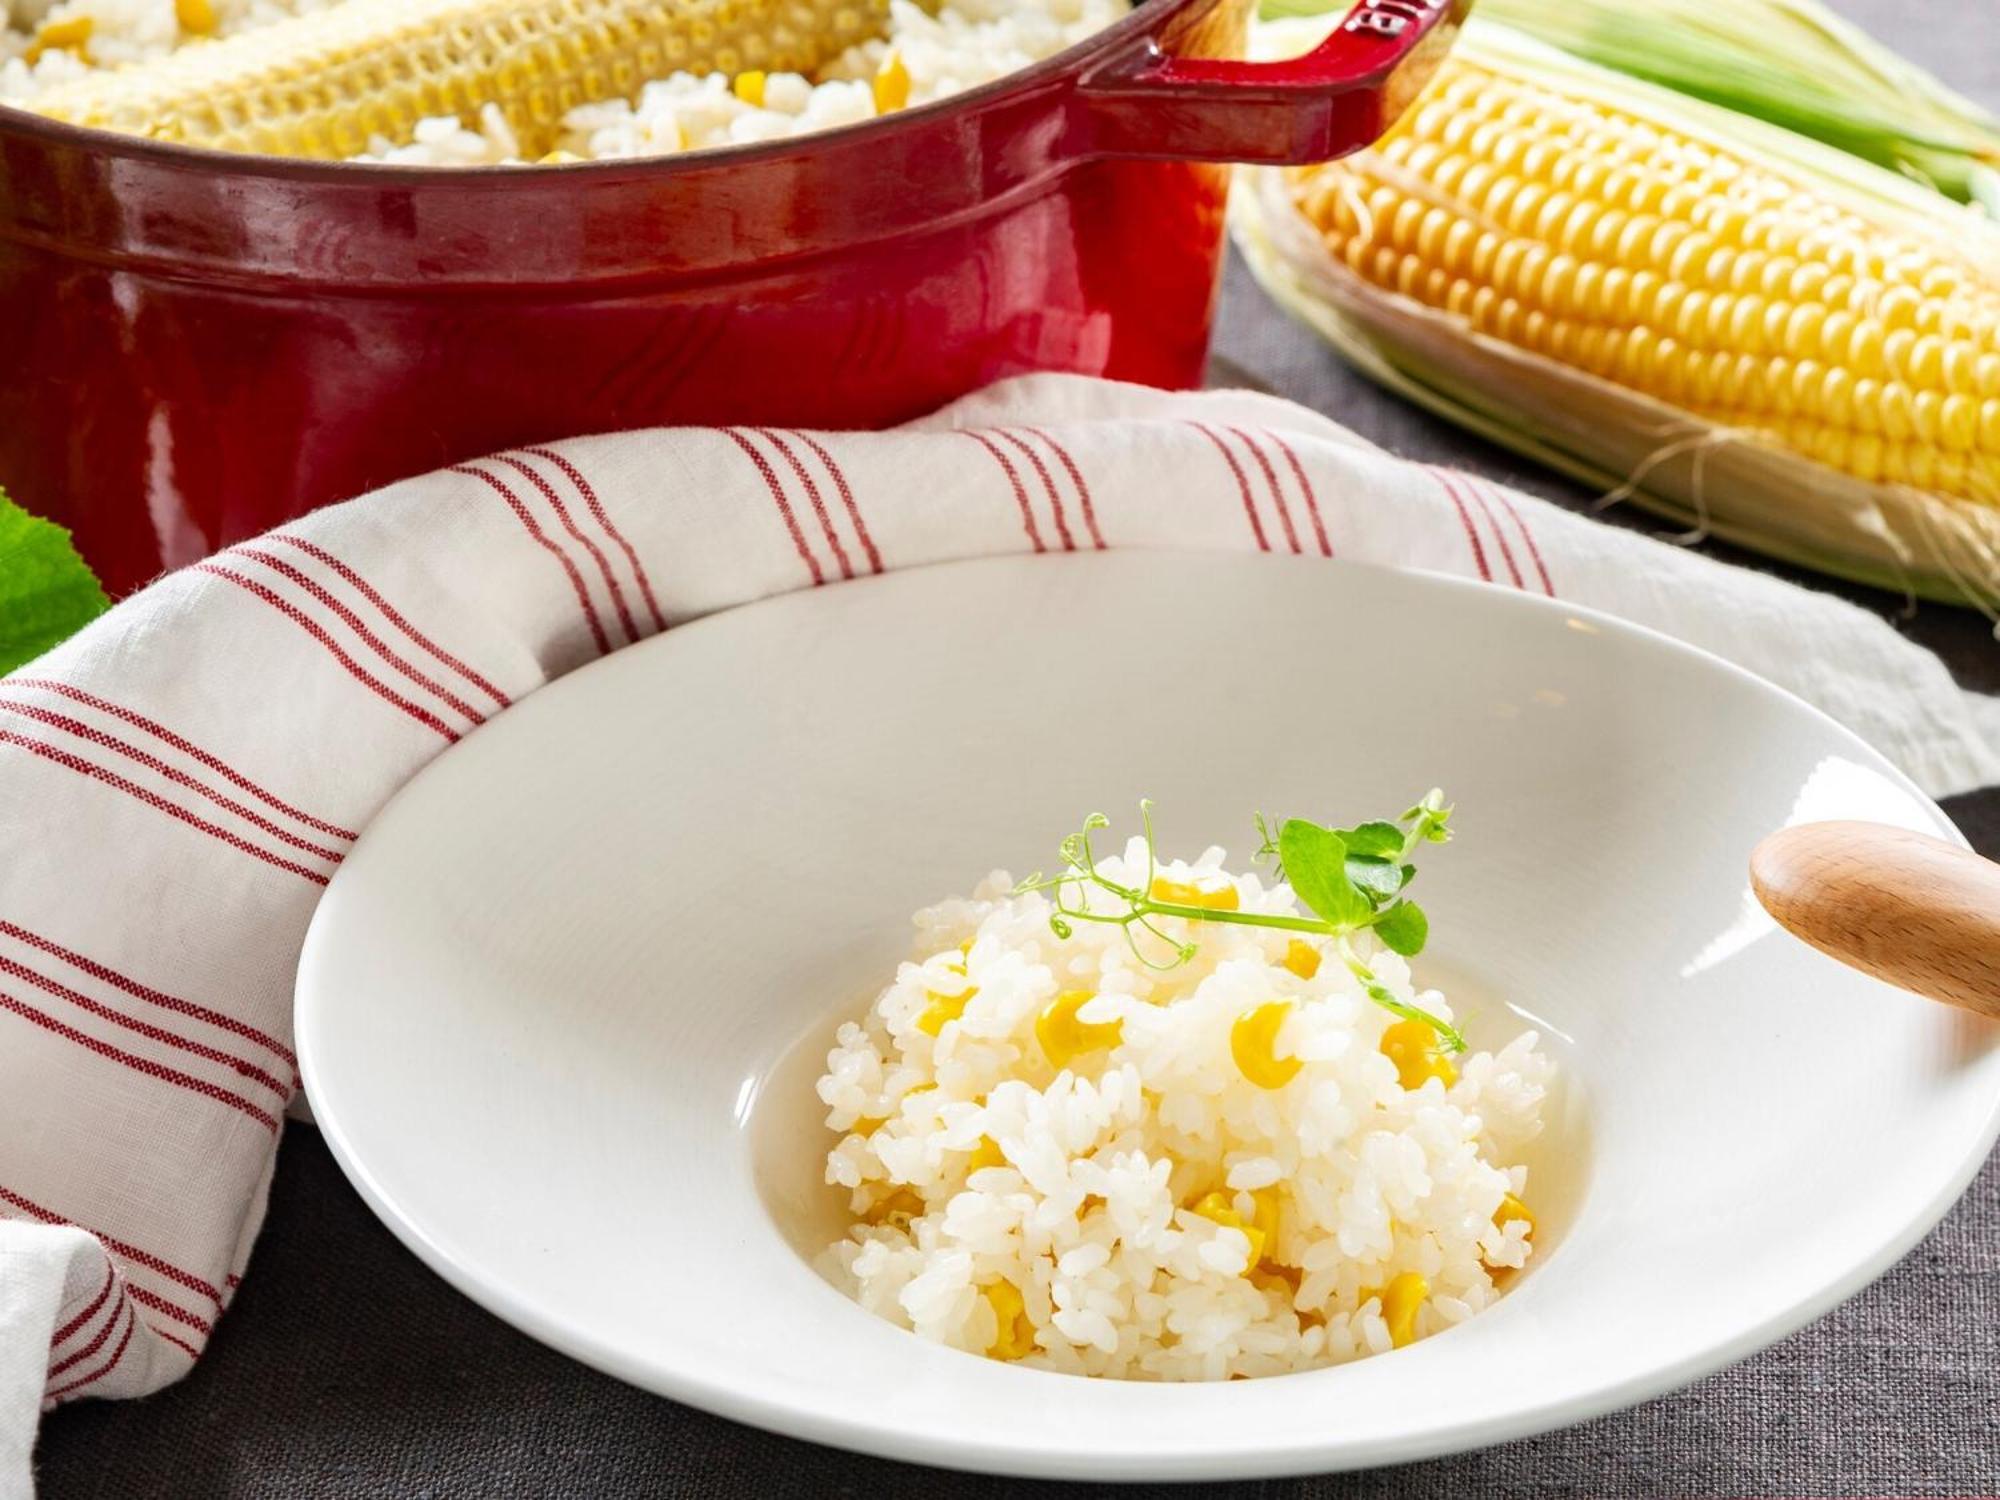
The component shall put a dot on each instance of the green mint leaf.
(1373, 840)
(47, 594)
(1404, 928)
(1316, 864)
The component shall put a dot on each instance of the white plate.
(561, 1010)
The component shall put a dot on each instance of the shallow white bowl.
(561, 1010)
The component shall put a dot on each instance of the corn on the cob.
(326, 84)
(1749, 329)
(1703, 278)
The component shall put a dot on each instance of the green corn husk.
(1790, 62)
(1621, 441)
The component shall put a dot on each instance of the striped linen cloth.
(180, 782)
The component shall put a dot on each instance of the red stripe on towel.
(103, 1333)
(541, 539)
(158, 803)
(352, 621)
(1277, 490)
(1242, 483)
(1305, 488)
(1013, 479)
(548, 493)
(333, 648)
(150, 995)
(181, 1344)
(132, 1253)
(172, 1309)
(1075, 478)
(153, 763)
(812, 493)
(131, 1322)
(192, 751)
(1465, 519)
(846, 499)
(777, 489)
(136, 1063)
(1493, 525)
(1048, 485)
(152, 1033)
(1520, 522)
(582, 486)
(390, 613)
(110, 1280)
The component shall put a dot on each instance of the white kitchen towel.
(179, 782)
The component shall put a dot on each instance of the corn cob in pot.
(326, 83)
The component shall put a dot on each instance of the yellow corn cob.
(324, 84)
(1709, 279)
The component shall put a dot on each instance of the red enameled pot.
(201, 345)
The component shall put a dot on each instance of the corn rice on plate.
(1059, 1155)
(483, 82)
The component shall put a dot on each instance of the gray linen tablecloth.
(347, 1369)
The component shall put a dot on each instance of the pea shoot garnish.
(1351, 879)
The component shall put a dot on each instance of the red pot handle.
(1336, 99)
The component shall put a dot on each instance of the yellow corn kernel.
(1220, 1208)
(1016, 1335)
(324, 83)
(867, 1125)
(1413, 1047)
(71, 34)
(892, 84)
(986, 1154)
(942, 1008)
(749, 87)
(904, 1203)
(1265, 1218)
(1253, 1043)
(1302, 958)
(196, 17)
(1186, 893)
(1401, 1299)
(1512, 1208)
(1064, 1037)
(557, 159)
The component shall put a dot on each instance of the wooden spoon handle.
(1905, 907)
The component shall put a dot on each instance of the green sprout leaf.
(1404, 928)
(1382, 841)
(1378, 879)
(1316, 864)
(1349, 878)
(47, 593)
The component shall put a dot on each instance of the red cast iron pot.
(202, 345)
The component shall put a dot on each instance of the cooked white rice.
(121, 32)
(1090, 1214)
